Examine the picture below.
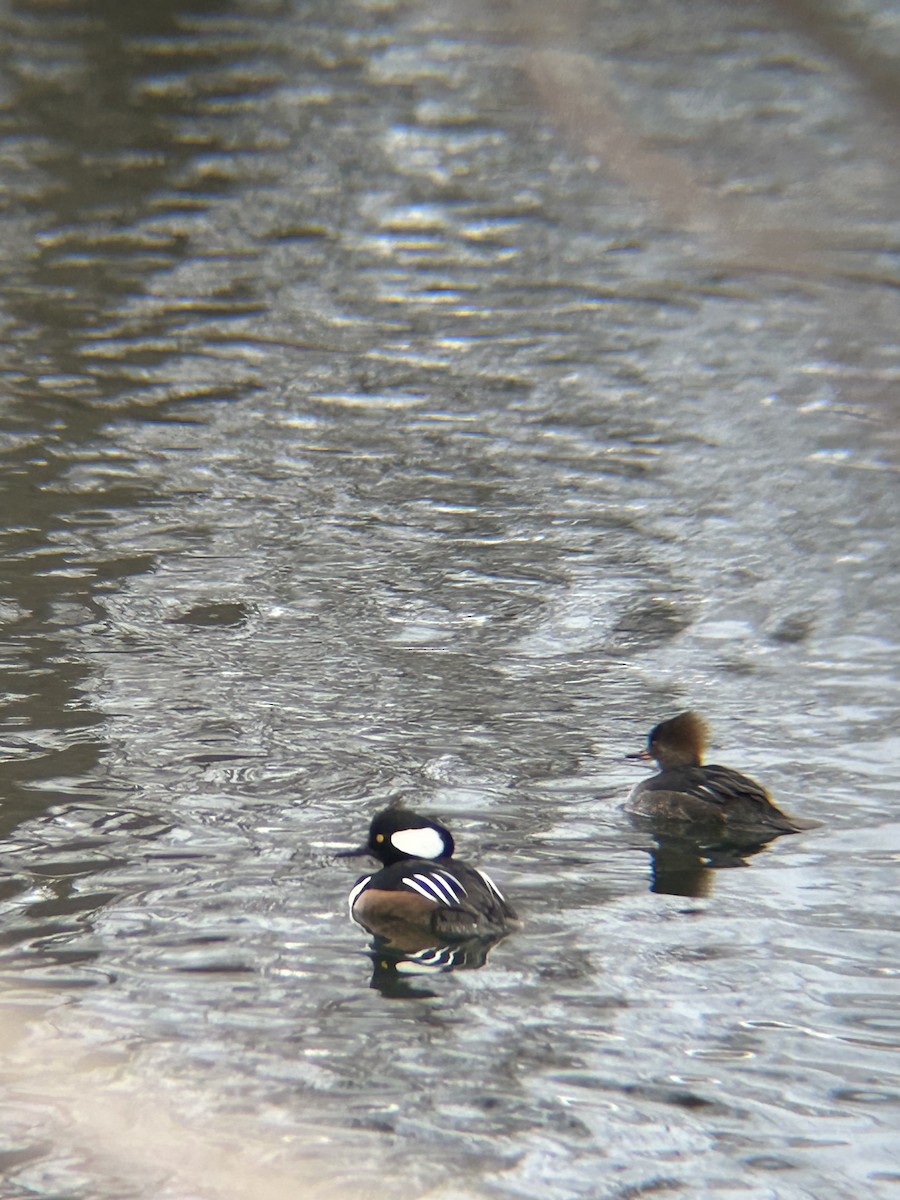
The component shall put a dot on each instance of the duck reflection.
(683, 858)
(401, 964)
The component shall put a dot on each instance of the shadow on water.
(103, 153)
(101, 204)
(683, 859)
(110, 191)
(401, 964)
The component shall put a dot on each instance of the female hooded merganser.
(686, 790)
(419, 886)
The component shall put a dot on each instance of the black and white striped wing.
(437, 885)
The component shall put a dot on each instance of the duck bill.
(357, 853)
(640, 756)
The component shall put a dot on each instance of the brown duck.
(686, 790)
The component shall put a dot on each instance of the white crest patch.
(420, 843)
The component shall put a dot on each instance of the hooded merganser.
(419, 886)
(686, 790)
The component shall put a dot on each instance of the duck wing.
(742, 800)
(467, 900)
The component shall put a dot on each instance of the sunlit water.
(375, 424)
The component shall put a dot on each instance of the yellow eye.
(379, 837)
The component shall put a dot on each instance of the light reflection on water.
(367, 436)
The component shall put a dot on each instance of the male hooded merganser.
(686, 790)
(420, 885)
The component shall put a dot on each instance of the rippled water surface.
(422, 400)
